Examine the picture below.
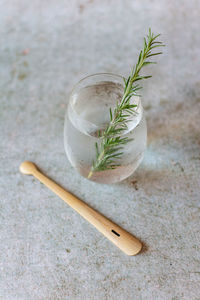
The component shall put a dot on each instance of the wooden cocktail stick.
(120, 237)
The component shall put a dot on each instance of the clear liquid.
(88, 112)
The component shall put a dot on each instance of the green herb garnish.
(112, 141)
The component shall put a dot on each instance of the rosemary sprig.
(112, 141)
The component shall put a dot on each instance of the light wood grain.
(120, 237)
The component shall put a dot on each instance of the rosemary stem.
(90, 173)
(96, 164)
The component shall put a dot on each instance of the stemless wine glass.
(88, 113)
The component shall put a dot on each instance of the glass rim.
(97, 74)
(101, 73)
(111, 75)
(92, 75)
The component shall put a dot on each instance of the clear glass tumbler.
(87, 113)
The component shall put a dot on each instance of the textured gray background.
(49, 252)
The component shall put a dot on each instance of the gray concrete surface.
(46, 250)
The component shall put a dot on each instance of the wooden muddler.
(120, 237)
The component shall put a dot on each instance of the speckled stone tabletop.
(47, 251)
